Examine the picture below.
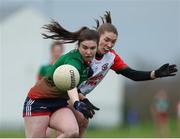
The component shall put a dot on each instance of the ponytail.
(106, 24)
(59, 33)
(105, 19)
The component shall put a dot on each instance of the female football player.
(46, 105)
(106, 58)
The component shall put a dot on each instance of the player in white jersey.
(100, 68)
(106, 59)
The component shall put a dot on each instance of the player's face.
(88, 49)
(107, 41)
(56, 51)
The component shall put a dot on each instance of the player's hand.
(166, 70)
(90, 105)
(83, 108)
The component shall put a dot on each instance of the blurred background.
(149, 36)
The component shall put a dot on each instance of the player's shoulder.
(112, 51)
(44, 66)
(73, 54)
(117, 57)
(76, 56)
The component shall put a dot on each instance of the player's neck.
(99, 56)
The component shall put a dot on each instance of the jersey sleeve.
(40, 73)
(119, 64)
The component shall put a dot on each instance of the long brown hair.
(59, 33)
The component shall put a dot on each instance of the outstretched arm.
(164, 71)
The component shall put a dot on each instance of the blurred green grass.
(142, 130)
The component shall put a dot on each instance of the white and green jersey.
(100, 68)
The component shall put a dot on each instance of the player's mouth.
(89, 57)
(107, 49)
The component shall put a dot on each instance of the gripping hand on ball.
(166, 70)
(83, 108)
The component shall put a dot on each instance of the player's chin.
(104, 51)
(88, 59)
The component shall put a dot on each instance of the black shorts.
(39, 107)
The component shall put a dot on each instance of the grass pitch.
(143, 130)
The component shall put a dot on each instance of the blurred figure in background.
(132, 117)
(56, 50)
(178, 117)
(159, 112)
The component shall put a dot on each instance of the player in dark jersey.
(106, 58)
(45, 105)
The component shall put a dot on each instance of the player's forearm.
(81, 96)
(166, 70)
(73, 95)
(136, 75)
